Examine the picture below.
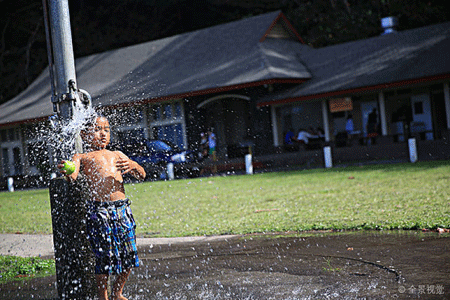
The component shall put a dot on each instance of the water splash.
(64, 134)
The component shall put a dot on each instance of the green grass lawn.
(396, 196)
(19, 268)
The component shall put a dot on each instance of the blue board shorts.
(112, 233)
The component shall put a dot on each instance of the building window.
(128, 125)
(9, 135)
(131, 135)
(178, 110)
(156, 112)
(166, 121)
(38, 157)
(12, 134)
(3, 135)
(418, 108)
(36, 131)
(167, 111)
(172, 133)
(128, 117)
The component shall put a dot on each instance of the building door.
(17, 161)
(5, 162)
(229, 117)
(366, 109)
(11, 159)
(421, 109)
(439, 114)
(214, 121)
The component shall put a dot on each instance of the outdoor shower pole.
(74, 269)
(63, 58)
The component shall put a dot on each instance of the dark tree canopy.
(102, 25)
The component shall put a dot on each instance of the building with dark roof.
(252, 80)
(403, 75)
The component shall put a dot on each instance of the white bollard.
(10, 184)
(327, 154)
(248, 164)
(412, 150)
(170, 171)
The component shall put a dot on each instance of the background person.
(349, 127)
(304, 135)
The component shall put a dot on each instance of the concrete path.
(28, 245)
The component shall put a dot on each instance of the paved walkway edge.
(28, 245)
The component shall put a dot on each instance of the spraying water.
(64, 134)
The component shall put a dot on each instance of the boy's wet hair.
(90, 121)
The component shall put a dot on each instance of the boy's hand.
(123, 165)
(61, 166)
(64, 172)
(126, 165)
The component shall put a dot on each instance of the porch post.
(382, 113)
(326, 123)
(273, 115)
(447, 102)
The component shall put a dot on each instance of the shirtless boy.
(110, 223)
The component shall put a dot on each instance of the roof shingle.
(401, 56)
(215, 57)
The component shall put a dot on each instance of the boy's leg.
(102, 286)
(119, 284)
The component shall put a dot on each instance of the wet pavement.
(319, 265)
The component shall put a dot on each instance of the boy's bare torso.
(105, 181)
(103, 169)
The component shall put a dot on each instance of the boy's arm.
(126, 165)
(77, 161)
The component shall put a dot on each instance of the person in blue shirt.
(288, 137)
(349, 126)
